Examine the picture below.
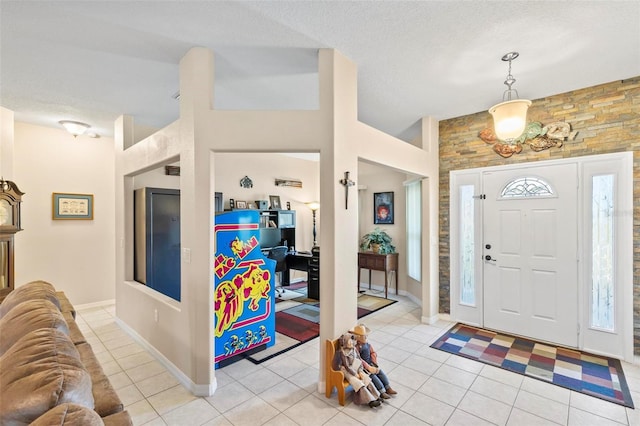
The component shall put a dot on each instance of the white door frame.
(618, 344)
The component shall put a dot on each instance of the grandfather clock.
(10, 199)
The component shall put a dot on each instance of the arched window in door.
(526, 187)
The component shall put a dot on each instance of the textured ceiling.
(92, 61)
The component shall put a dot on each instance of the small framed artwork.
(383, 208)
(274, 200)
(241, 204)
(72, 206)
(251, 206)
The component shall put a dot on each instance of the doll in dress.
(348, 361)
(370, 361)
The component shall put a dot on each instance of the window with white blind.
(414, 230)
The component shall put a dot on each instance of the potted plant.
(378, 241)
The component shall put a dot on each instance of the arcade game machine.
(244, 293)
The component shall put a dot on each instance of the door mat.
(300, 323)
(583, 372)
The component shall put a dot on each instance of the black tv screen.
(269, 237)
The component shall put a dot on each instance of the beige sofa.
(49, 374)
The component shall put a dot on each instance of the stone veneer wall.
(607, 118)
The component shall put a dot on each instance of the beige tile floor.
(434, 388)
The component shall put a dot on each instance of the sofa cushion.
(29, 291)
(28, 316)
(41, 370)
(69, 414)
(74, 331)
(123, 418)
(106, 399)
(65, 305)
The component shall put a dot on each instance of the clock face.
(6, 213)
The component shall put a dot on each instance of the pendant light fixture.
(510, 116)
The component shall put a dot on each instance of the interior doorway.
(530, 220)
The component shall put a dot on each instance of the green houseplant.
(378, 241)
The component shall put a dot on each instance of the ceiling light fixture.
(74, 127)
(510, 116)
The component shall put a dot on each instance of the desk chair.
(279, 254)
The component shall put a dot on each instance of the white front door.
(530, 252)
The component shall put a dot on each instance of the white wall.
(183, 333)
(263, 169)
(383, 179)
(77, 256)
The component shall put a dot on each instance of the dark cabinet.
(379, 262)
(157, 239)
(313, 274)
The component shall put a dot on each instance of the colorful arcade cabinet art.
(244, 293)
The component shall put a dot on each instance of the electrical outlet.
(155, 315)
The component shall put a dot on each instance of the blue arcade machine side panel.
(244, 293)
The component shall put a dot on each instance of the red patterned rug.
(296, 327)
(300, 324)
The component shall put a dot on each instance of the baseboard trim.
(92, 305)
(196, 389)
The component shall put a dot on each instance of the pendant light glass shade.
(510, 118)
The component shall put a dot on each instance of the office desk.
(309, 264)
(379, 262)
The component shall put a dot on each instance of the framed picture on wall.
(72, 206)
(274, 200)
(383, 208)
(241, 204)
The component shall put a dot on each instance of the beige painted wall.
(263, 169)
(76, 256)
(183, 333)
(382, 179)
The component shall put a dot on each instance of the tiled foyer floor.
(434, 388)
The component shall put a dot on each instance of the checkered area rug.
(593, 375)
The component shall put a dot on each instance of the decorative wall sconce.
(535, 135)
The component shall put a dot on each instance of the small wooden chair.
(334, 378)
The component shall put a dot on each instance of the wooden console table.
(378, 262)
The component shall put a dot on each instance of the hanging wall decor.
(289, 182)
(246, 182)
(172, 170)
(346, 182)
(535, 135)
(72, 206)
(383, 208)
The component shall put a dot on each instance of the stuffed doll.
(370, 361)
(348, 361)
